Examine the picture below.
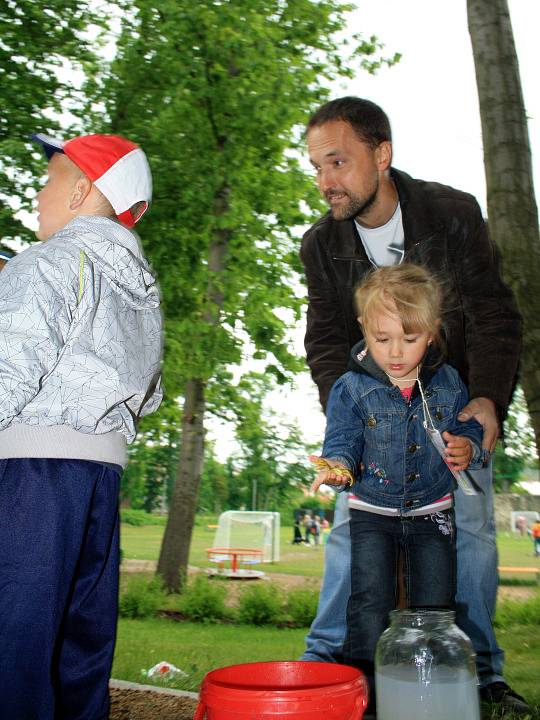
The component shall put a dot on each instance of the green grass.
(144, 542)
(141, 543)
(516, 552)
(521, 645)
(197, 648)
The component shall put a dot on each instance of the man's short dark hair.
(367, 119)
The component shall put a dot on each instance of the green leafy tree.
(214, 489)
(273, 462)
(518, 448)
(149, 476)
(215, 93)
(37, 40)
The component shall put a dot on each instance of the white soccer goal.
(245, 529)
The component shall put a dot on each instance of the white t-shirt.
(384, 245)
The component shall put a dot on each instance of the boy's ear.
(80, 192)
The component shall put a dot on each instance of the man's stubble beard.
(356, 206)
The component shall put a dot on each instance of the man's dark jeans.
(427, 544)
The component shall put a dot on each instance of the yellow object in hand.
(339, 470)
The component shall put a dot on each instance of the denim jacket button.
(411, 477)
(413, 447)
(371, 421)
(439, 415)
(409, 503)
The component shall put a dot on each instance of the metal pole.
(254, 494)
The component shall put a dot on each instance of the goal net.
(246, 529)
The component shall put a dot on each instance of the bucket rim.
(295, 663)
(329, 680)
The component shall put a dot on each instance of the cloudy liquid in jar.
(437, 693)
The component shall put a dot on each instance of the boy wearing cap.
(80, 349)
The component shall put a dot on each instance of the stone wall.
(505, 503)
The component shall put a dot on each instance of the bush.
(302, 606)
(204, 600)
(140, 517)
(141, 598)
(259, 605)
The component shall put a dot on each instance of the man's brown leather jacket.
(445, 232)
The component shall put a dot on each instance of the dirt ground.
(144, 705)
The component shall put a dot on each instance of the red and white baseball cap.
(117, 167)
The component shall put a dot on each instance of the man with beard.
(380, 216)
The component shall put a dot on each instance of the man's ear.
(79, 193)
(384, 155)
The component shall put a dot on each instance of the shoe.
(499, 693)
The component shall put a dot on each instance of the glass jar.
(425, 668)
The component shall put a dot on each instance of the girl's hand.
(330, 472)
(459, 451)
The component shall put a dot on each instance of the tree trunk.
(174, 553)
(512, 211)
(173, 558)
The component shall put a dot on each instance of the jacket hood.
(362, 362)
(118, 254)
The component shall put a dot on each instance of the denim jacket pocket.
(442, 415)
(378, 431)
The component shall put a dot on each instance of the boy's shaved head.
(69, 165)
(67, 194)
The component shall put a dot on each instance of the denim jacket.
(371, 426)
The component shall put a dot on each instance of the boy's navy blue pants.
(59, 555)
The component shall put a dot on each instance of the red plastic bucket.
(295, 690)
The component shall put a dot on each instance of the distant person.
(521, 525)
(379, 216)
(80, 354)
(306, 524)
(535, 532)
(397, 390)
(325, 530)
(297, 538)
(316, 530)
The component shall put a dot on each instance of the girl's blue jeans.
(426, 544)
(477, 581)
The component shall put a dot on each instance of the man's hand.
(330, 472)
(458, 451)
(483, 410)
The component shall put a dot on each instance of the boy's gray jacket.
(80, 344)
